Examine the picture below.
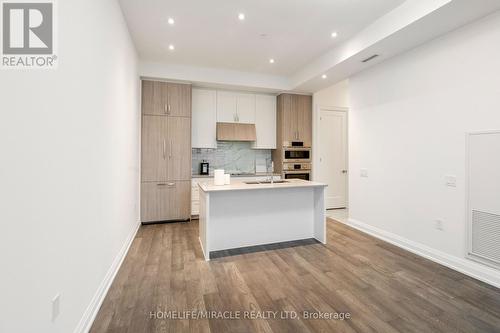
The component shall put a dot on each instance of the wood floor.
(383, 288)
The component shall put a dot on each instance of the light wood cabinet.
(179, 148)
(178, 100)
(166, 151)
(153, 101)
(304, 122)
(154, 148)
(162, 201)
(295, 119)
(164, 98)
(294, 124)
(228, 131)
(289, 118)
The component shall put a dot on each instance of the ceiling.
(208, 33)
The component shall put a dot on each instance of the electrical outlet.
(438, 224)
(56, 307)
(363, 173)
(451, 180)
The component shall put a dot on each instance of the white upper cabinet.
(265, 122)
(226, 107)
(211, 106)
(245, 108)
(204, 118)
(234, 107)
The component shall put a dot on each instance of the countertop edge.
(252, 187)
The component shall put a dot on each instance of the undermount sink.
(274, 182)
(266, 182)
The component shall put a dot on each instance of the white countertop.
(242, 175)
(209, 186)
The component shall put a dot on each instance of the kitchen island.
(245, 214)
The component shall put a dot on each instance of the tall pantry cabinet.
(295, 119)
(166, 152)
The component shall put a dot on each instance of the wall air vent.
(370, 58)
(486, 235)
(483, 206)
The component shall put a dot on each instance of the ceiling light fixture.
(334, 34)
(171, 47)
(171, 21)
(271, 61)
(241, 16)
(323, 76)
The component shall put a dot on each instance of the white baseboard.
(462, 265)
(88, 317)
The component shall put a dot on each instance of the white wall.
(333, 96)
(215, 77)
(408, 120)
(69, 171)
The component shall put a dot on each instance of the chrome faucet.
(270, 175)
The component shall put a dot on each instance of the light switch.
(451, 181)
(363, 173)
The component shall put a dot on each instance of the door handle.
(171, 184)
(169, 109)
(344, 171)
(170, 150)
(165, 109)
(164, 147)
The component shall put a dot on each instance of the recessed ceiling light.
(171, 47)
(241, 16)
(323, 76)
(171, 21)
(271, 61)
(334, 34)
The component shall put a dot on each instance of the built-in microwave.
(296, 154)
(296, 166)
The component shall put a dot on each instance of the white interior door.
(332, 169)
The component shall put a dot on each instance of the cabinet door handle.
(171, 184)
(164, 147)
(165, 109)
(169, 109)
(161, 184)
(170, 149)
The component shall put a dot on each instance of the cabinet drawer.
(195, 195)
(163, 201)
(195, 208)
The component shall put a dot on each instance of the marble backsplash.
(233, 157)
